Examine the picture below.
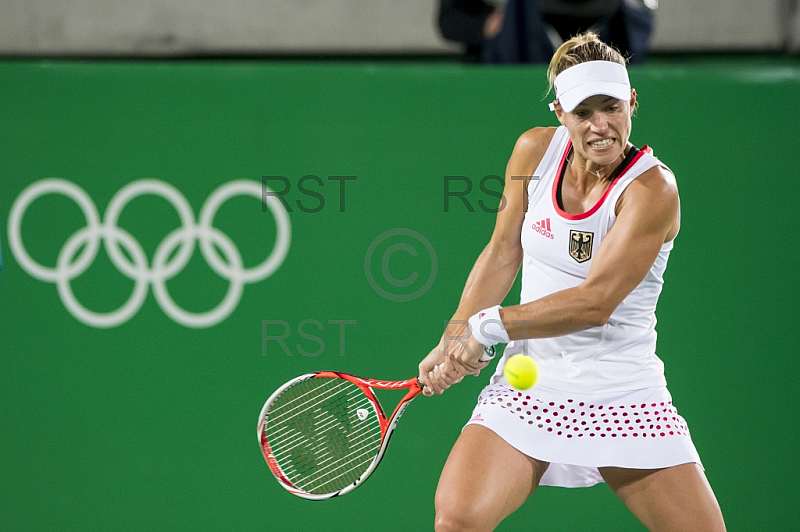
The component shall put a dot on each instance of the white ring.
(121, 199)
(21, 204)
(283, 232)
(110, 319)
(221, 311)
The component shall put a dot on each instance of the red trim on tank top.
(584, 215)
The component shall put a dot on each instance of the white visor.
(583, 80)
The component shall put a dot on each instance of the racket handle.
(488, 354)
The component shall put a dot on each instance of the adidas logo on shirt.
(543, 228)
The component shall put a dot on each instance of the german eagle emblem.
(580, 245)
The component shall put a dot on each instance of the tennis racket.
(324, 433)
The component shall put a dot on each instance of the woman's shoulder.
(532, 145)
(654, 190)
(537, 138)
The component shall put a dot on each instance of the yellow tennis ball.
(521, 372)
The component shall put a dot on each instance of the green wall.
(151, 424)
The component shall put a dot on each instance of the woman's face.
(599, 127)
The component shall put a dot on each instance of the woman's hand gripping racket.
(322, 434)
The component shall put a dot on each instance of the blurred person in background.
(529, 31)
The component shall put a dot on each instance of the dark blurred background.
(346, 27)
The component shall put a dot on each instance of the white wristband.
(487, 327)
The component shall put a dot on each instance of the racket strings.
(328, 386)
(331, 461)
(298, 439)
(320, 436)
(279, 417)
(364, 449)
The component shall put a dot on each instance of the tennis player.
(592, 230)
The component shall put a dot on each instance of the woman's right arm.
(497, 266)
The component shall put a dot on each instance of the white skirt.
(578, 433)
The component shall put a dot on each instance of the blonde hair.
(580, 49)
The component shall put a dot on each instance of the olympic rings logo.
(80, 249)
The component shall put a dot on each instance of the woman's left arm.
(647, 217)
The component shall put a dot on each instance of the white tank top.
(558, 251)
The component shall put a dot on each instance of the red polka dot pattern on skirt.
(581, 419)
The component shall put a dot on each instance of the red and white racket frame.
(387, 425)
